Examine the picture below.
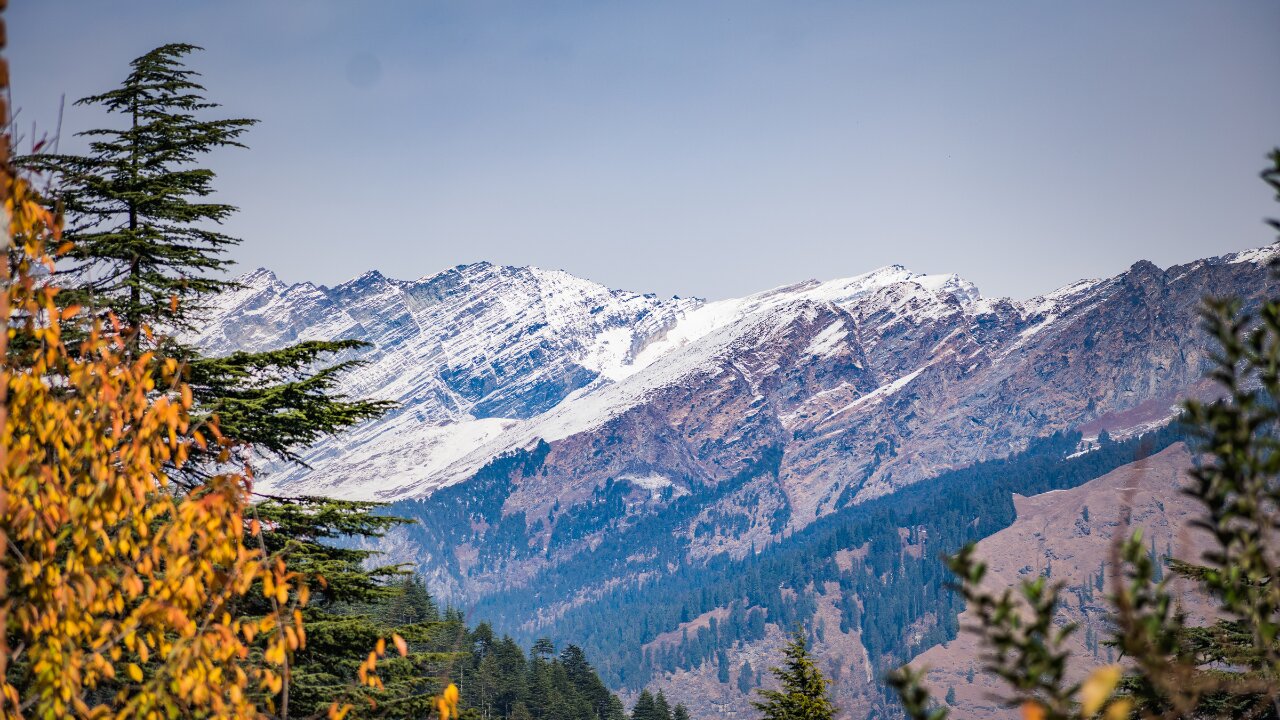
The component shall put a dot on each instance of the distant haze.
(708, 148)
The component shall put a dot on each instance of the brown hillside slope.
(1054, 534)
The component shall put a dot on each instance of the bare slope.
(1070, 534)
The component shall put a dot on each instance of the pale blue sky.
(710, 148)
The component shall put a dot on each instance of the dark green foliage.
(661, 707)
(657, 707)
(646, 708)
(745, 678)
(494, 677)
(279, 400)
(136, 205)
(305, 529)
(340, 633)
(803, 693)
(144, 251)
(412, 603)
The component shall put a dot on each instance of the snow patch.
(827, 343)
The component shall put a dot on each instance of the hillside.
(1070, 534)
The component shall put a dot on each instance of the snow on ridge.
(845, 293)
(368, 472)
(1257, 256)
(498, 327)
(653, 482)
(596, 405)
(468, 318)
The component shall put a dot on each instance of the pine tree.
(804, 694)
(1157, 564)
(745, 677)
(680, 713)
(662, 708)
(543, 649)
(414, 605)
(646, 708)
(118, 593)
(136, 204)
(143, 250)
(138, 221)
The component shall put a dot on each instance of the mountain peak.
(260, 276)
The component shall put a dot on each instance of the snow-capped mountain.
(466, 353)
(869, 381)
(571, 454)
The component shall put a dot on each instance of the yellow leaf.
(1120, 709)
(135, 672)
(401, 645)
(1032, 710)
(1097, 689)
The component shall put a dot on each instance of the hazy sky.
(709, 148)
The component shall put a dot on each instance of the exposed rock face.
(1071, 534)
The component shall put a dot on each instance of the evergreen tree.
(543, 649)
(603, 704)
(1157, 564)
(413, 604)
(646, 708)
(680, 713)
(745, 677)
(803, 694)
(144, 249)
(136, 206)
(662, 708)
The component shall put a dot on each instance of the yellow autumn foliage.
(120, 588)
